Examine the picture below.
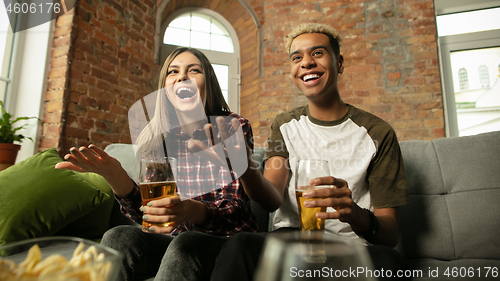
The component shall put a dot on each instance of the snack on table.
(80, 267)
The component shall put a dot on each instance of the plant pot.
(8, 153)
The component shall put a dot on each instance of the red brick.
(109, 12)
(394, 75)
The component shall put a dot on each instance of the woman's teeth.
(185, 93)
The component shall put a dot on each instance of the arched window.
(484, 76)
(210, 33)
(463, 79)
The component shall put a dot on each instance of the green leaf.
(7, 131)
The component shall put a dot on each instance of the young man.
(368, 175)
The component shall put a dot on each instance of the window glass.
(3, 88)
(218, 28)
(6, 40)
(463, 79)
(182, 22)
(200, 40)
(222, 73)
(484, 76)
(200, 22)
(221, 43)
(175, 36)
(198, 31)
(4, 30)
(477, 102)
(468, 22)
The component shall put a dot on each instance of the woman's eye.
(171, 72)
(195, 70)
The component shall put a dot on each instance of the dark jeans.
(239, 258)
(189, 256)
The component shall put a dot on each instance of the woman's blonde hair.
(333, 35)
(151, 140)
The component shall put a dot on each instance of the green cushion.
(38, 200)
(94, 224)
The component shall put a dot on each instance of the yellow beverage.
(308, 220)
(154, 191)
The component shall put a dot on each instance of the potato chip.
(56, 267)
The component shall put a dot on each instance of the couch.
(447, 232)
(450, 230)
(453, 220)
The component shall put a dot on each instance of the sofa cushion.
(454, 186)
(125, 154)
(38, 200)
(96, 222)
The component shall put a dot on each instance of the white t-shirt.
(360, 148)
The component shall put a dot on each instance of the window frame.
(460, 42)
(447, 45)
(9, 59)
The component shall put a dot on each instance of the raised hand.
(95, 160)
(226, 151)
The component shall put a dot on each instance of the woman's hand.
(91, 159)
(95, 160)
(174, 210)
(229, 153)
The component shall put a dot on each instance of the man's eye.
(295, 58)
(317, 53)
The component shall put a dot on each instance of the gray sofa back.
(454, 186)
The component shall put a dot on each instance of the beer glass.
(307, 170)
(156, 181)
(286, 256)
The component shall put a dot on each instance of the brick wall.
(104, 50)
(102, 62)
(390, 54)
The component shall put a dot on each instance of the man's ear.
(341, 64)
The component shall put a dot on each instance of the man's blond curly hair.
(315, 28)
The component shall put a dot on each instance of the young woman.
(187, 86)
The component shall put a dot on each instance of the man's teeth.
(310, 76)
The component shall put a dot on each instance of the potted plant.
(8, 135)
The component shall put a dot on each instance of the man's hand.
(337, 197)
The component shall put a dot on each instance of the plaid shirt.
(228, 205)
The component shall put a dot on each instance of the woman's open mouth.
(186, 94)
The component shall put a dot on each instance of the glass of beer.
(307, 170)
(156, 181)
